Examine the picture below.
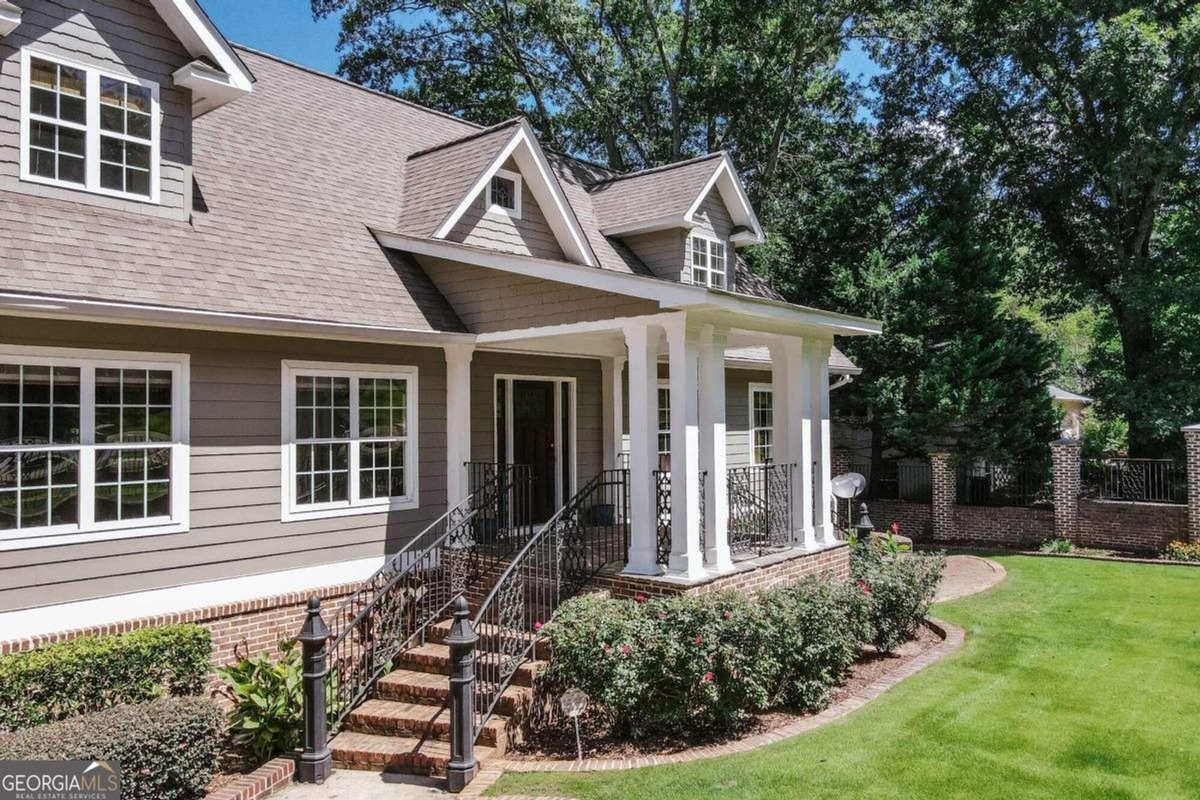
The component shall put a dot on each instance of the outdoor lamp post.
(864, 527)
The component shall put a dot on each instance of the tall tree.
(1087, 118)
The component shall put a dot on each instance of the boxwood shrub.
(167, 748)
(97, 672)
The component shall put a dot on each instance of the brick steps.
(395, 718)
(435, 659)
(369, 751)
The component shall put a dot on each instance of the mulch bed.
(559, 741)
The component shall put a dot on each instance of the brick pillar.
(945, 495)
(1067, 487)
(839, 461)
(1191, 438)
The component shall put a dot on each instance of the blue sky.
(286, 28)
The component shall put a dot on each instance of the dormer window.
(504, 193)
(83, 128)
(708, 262)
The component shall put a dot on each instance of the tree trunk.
(1138, 352)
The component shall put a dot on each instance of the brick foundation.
(749, 576)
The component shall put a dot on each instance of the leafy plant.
(268, 696)
(1182, 551)
(92, 673)
(1057, 545)
(168, 748)
(899, 588)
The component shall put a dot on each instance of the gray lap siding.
(235, 420)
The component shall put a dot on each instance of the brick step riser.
(428, 696)
(438, 730)
(437, 665)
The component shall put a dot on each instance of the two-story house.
(256, 322)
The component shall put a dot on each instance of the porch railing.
(760, 508)
(393, 608)
(662, 511)
(584, 536)
(1138, 480)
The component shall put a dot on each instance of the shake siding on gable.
(119, 35)
(664, 252)
(713, 220)
(488, 300)
(528, 236)
(235, 470)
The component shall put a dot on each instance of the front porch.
(671, 492)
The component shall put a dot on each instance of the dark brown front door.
(533, 441)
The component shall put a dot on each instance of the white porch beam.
(613, 402)
(713, 454)
(642, 342)
(687, 556)
(458, 421)
(816, 353)
(793, 432)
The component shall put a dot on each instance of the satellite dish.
(848, 486)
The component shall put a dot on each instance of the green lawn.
(1079, 679)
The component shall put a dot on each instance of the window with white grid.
(762, 423)
(708, 261)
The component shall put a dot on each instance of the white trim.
(523, 147)
(355, 505)
(202, 39)
(649, 225)
(710, 241)
(10, 18)
(733, 195)
(518, 187)
(210, 87)
(750, 428)
(42, 620)
(91, 127)
(87, 529)
(561, 493)
(458, 421)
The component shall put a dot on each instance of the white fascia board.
(833, 322)
(210, 87)
(10, 18)
(733, 195)
(665, 293)
(535, 169)
(202, 39)
(12, 304)
(649, 225)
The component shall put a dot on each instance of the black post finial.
(864, 527)
(461, 641)
(316, 761)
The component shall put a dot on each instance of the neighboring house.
(254, 320)
(1072, 406)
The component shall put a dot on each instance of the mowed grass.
(1079, 679)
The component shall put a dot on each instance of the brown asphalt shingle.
(652, 194)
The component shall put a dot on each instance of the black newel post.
(461, 641)
(316, 761)
(865, 527)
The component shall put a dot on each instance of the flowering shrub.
(706, 661)
(899, 588)
(1182, 551)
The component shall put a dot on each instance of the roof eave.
(10, 18)
(196, 31)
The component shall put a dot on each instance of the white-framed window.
(664, 419)
(504, 193)
(708, 261)
(88, 128)
(93, 445)
(762, 424)
(350, 439)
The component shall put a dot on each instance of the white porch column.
(687, 555)
(642, 341)
(793, 432)
(458, 421)
(613, 403)
(817, 355)
(712, 449)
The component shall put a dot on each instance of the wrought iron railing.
(982, 484)
(760, 508)
(662, 511)
(1138, 480)
(391, 611)
(906, 481)
(582, 538)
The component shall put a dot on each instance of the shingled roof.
(651, 194)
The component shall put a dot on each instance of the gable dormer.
(97, 99)
(683, 220)
(493, 189)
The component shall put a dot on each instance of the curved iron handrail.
(582, 537)
(395, 606)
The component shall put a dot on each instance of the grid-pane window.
(716, 264)
(87, 446)
(89, 129)
(351, 439)
(762, 423)
(664, 421)
(708, 261)
(504, 193)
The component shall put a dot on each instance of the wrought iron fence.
(760, 508)
(1138, 480)
(906, 481)
(586, 535)
(982, 484)
(662, 511)
(392, 609)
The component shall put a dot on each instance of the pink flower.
(895, 527)
(697, 640)
(728, 615)
(639, 598)
(709, 677)
(863, 587)
(607, 647)
(662, 615)
(626, 649)
(537, 626)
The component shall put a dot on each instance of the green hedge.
(167, 748)
(97, 672)
(900, 588)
